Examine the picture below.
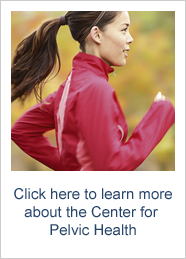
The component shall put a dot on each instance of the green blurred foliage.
(150, 68)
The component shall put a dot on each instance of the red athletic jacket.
(90, 127)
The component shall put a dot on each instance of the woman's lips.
(125, 52)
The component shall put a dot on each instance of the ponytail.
(35, 59)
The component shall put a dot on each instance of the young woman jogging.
(90, 127)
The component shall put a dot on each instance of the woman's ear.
(95, 34)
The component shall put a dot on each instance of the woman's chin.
(120, 64)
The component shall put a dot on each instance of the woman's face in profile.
(115, 41)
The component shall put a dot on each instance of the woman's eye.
(124, 30)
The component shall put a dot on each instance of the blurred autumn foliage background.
(150, 68)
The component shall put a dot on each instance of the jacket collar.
(92, 63)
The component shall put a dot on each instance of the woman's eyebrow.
(125, 24)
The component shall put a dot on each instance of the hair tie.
(62, 20)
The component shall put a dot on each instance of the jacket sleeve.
(28, 130)
(98, 126)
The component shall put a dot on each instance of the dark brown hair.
(37, 55)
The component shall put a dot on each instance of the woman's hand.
(159, 97)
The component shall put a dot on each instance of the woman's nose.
(130, 39)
